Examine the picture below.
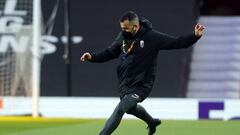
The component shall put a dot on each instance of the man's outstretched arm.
(169, 42)
(110, 53)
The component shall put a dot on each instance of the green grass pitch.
(48, 126)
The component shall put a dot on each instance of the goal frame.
(36, 59)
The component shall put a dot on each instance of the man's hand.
(199, 29)
(86, 56)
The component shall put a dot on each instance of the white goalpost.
(36, 57)
(20, 56)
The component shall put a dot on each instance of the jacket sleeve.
(167, 42)
(113, 51)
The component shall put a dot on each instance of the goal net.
(18, 54)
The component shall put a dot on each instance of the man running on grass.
(137, 47)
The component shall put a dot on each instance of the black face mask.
(127, 35)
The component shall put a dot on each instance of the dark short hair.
(130, 16)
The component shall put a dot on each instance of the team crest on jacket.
(135, 96)
(141, 43)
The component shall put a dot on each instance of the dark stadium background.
(97, 22)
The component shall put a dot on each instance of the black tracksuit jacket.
(137, 69)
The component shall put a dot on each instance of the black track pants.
(128, 104)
